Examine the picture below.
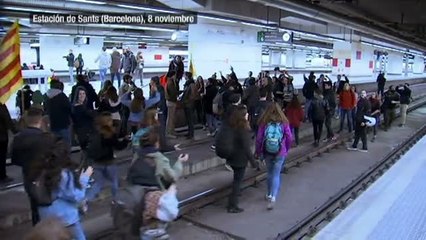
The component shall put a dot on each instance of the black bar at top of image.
(114, 18)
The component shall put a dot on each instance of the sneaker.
(213, 148)
(210, 134)
(268, 197)
(271, 204)
(229, 168)
(352, 149)
(325, 140)
(363, 150)
(334, 138)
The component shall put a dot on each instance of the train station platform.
(392, 208)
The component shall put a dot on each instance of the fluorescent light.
(127, 38)
(145, 8)
(29, 9)
(54, 35)
(218, 19)
(88, 1)
(257, 25)
(35, 45)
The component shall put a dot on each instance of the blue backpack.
(273, 138)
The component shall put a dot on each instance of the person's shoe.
(229, 168)
(334, 138)
(213, 148)
(271, 205)
(352, 149)
(268, 197)
(363, 150)
(373, 139)
(325, 140)
(235, 210)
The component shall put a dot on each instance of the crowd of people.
(267, 109)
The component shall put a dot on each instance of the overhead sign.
(275, 36)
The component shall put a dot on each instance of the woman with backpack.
(273, 142)
(101, 151)
(57, 186)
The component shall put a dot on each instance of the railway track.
(324, 214)
(308, 226)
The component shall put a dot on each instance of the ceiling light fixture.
(88, 1)
(217, 19)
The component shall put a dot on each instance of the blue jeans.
(77, 231)
(348, 114)
(101, 174)
(102, 75)
(211, 122)
(65, 134)
(71, 72)
(274, 165)
(116, 75)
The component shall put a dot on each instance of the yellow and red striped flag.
(10, 63)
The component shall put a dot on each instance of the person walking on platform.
(294, 114)
(104, 60)
(330, 98)
(101, 151)
(405, 98)
(381, 81)
(308, 92)
(6, 125)
(70, 61)
(79, 64)
(241, 153)
(115, 66)
(273, 142)
(140, 64)
(347, 103)
(63, 184)
(317, 113)
(188, 100)
(58, 108)
(363, 109)
(172, 92)
(389, 105)
(375, 112)
(128, 63)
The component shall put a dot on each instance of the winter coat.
(6, 123)
(58, 107)
(70, 60)
(295, 116)
(318, 109)
(309, 89)
(128, 63)
(347, 100)
(26, 145)
(111, 107)
(389, 97)
(285, 144)
(104, 60)
(330, 97)
(178, 68)
(242, 152)
(211, 92)
(362, 109)
(189, 94)
(172, 90)
(251, 96)
(404, 94)
(101, 149)
(115, 61)
(68, 198)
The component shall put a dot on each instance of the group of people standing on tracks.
(267, 109)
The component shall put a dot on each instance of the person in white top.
(104, 60)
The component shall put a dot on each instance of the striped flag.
(10, 63)
(192, 68)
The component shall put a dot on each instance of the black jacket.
(318, 109)
(242, 153)
(58, 107)
(309, 89)
(141, 172)
(178, 68)
(362, 109)
(82, 117)
(404, 94)
(381, 80)
(92, 97)
(211, 91)
(389, 97)
(330, 97)
(251, 96)
(101, 150)
(26, 145)
(6, 123)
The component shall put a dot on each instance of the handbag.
(38, 191)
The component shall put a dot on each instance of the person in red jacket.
(347, 103)
(294, 113)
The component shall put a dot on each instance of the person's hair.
(273, 114)
(238, 119)
(55, 84)
(138, 102)
(201, 81)
(107, 84)
(49, 229)
(81, 78)
(127, 77)
(111, 94)
(171, 74)
(294, 103)
(149, 118)
(188, 75)
(346, 84)
(156, 80)
(104, 125)
(150, 138)
(51, 157)
(33, 116)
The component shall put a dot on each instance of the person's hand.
(183, 157)
(88, 172)
(177, 147)
(362, 124)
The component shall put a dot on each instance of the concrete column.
(299, 59)
(394, 66)
(213, 47)
(289, 59)
(418, 65)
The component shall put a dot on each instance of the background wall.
(361, 67)
(418, 65)
(215, 48)
(52, 50)
(28, 55)
(394, 65)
